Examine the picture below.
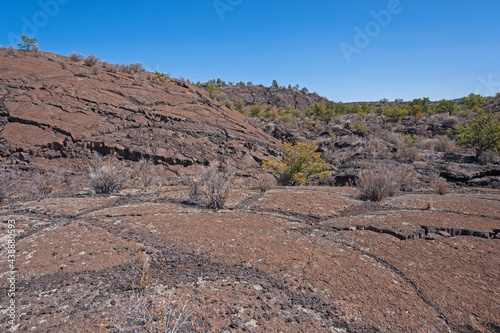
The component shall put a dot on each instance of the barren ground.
(303, 259)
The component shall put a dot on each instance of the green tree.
(482, 133)
(445, 105)
(238, 105)
(275, 84)
(213, 91)
(28, 43)
(256, 111)
(300, 163)
(472, 101)
(424, 103)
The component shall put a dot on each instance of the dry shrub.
(377, 148)
(132, 68)
(107, 174)
(35, 51)
(442, 186)
(76, 56)
(91, 60)
(263, 183)
(11, 51)
(444, 144)
(138, 78)
(212, 187)
(111, 68)
(8, 181)
(405, 153)
(486, 157)
(95, 70)
(140, 270)
(146, 310)
(381, 182)
(146, 173)
(44, 184)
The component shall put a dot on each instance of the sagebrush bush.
(442, 186)
(146, 173)
(107, 174)
(76, 56)
(8, 182)
(11, 50)
(263, 182)
(381, 182)
(145, 310)
(300, 164)
(91, 60)
(212, 187)
(44, 184)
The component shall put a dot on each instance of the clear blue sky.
(437, 49)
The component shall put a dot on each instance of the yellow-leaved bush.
(300, 164)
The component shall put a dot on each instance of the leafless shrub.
(263, 182)
(138, 78)
(44, 184)
(147, 174)
(445, 145)
(486, 157)
(381, 182)
(149, 311)
(111, 68)
(11, 51)
(442, 186)
(405, 153)
(107, 174)
(76, 56)
(132, 68)
(146, 312)
(212, 187)
(35, 51)
(137, 67)
(8, 182)
(182, 79)
(377, 148)
(95, 70)
(81, 74)
(91, 60)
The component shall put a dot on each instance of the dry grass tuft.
(263, 182)
(44, 184)
(8, 182)
(76, 56)
(149, 311)
(107, 175)
(381, 182)
(212, 187)
(442, 186)
(91, 60)
(146, 173)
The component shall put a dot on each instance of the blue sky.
(349, 50)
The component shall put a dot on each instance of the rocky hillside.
(270, 96)
(55, 110)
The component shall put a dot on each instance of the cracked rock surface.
(306, 259)
(52, 110)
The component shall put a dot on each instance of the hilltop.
(55, 110)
